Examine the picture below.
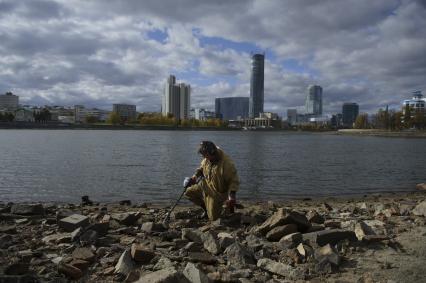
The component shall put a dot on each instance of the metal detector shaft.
(166, 219)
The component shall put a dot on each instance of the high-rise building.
(232, 108)
(9, 102)
(176, 99)
(126, 112)
(292, 116)
(313, 104)
(256, 85)
(350, 111)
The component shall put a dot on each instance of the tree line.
(392, 120)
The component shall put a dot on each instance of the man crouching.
(219, 184)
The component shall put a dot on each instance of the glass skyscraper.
(313, 104)
(256, 85)
(231, 108)
(349, 113)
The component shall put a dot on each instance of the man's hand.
(232, 201)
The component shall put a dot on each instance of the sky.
(101, 52)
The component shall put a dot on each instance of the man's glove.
(187, 182)
(231, 202)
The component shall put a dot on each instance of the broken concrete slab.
(332, 236)
(194, 274)
(142, 254)
(73, 222)
(280, 231)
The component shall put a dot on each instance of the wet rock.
(201, 257)
(17, 268)
(73, 222)
(278, 232)
(314, 217)
(238, 255)
(141, 254)
(127, 219)
(194, 274)
(125, 202)
(167, 275)
(279, 268)
(282, 217)
(329, 254)
(70, 271)
(27, 209)
(420, 209)
(125, 263)
(83, 254)
(333, 236)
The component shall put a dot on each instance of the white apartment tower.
(176, 99)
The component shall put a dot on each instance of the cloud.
(101, 52)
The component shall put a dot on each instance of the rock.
(194, 235)
(210, 243)
(17, 268)
(377, 226)
(282, 217)
(167, 275)
(27, 209)
(314, 217)
(70, 271)
(128, 218)
(7, 229)
(90, 237)
(279, 268)
(238, 255)
(420, 209)
(362, 230)
(76, 233)
(193, 247)
(201, 257)
(100, 228)
(57, 238)
(305, 250)
(86, 201)
(332, 223)
(421, 186)
(142, 254)
(150, 227)
(327, 206)
(73, 222)
(315, 228)
(125, 202)
(80, 264)
(375, 238)
(254, 243)
(291, 239)
(225, 240)
(278, 232)
(329, 254)
(333, 236)
(133, 276)
(125, 263)
(83, 254)
(163, 263)
(195, 275)
(295, 256)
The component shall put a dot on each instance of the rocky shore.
(366, 239)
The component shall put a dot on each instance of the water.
(63, 165)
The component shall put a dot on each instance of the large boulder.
(282, 217)
(238, 255)
(420, 209)
(278, 232)
(27, 209)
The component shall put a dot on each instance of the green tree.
(361, 122)
(91, 119)
(114, 118)
(407, 117)
(419, 120)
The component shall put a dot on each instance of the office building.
(256, 85)
(232, 108)
(292, 116)
(127, 112)
(9, 102)
(416, 103)
(176, 99)
(201, 114)
(313, 104)
(81, 114)
(350, 111)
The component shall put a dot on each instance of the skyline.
(73, 52)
